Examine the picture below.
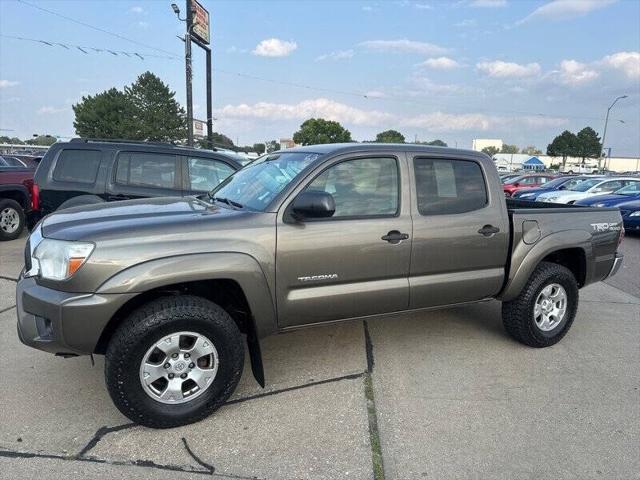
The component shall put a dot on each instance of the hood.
(126, 217)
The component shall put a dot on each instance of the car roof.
(339, 148)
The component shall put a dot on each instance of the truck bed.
(592, 233)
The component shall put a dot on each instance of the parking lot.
(436, 395)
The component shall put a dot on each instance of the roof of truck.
(332, 148)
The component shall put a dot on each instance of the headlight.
(59, 259)
(527, 195)
(635, 214)
(598, 205)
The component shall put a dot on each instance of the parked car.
(525, 181)
(11, 161)
(630, 212)
(625, 194)
(588, 188)
(165, 287)
(16, 190)
(509, 176)
(86, 172)
(561, 183)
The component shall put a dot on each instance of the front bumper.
(617, 263)
(63, 322)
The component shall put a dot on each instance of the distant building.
(286, 143)
(480, 143)
(533, 164)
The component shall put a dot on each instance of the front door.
(342, 267)
(460, 234)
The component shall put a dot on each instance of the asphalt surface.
(437, 395)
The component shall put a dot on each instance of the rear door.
(460, 232)
(144, 175)
(342, 267)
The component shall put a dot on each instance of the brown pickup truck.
(167, 287)
(16, 200)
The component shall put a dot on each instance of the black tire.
(80, 201)
(14, 208)
(518, 317)
(147, 325)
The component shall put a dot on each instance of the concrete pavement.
(453, 398)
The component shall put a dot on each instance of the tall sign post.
(201, 36)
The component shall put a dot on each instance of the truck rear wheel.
(544, 311)
(174, 361)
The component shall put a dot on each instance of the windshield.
(633, 189)
(556, 182)
(514, 180)
(257, 184)
(586, 185)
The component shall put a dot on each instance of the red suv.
(526, 181)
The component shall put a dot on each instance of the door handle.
(394, 236)
(488, 230)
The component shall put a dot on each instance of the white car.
(588, 188)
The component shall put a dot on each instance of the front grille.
(27, 256)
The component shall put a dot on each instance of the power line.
(93, 27)
(87, 49)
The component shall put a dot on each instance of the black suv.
(87, 171)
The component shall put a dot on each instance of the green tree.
(437, 143)
(564, 145)
(11, 140)
(588, 144)
(259, 148)
(318, 130)
(531, 150)
(390, 136)
(157, 114)
(106, 115)
(42, 140)
(272, 146)
(491, 150)
(506, 148)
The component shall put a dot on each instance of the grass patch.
(374, 434)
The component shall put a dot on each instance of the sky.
(518, 70)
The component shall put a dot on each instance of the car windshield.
(586, 185)
(633, 189)
(556, 182)
(514, 180)
(257, 184)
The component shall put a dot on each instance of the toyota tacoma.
(168, 288)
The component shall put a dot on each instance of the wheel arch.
(18, 193)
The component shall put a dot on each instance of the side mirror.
(562, 187)
(313, 205)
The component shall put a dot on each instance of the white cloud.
(143, 25)
(137, 9)
(348, 115)
(440, 63)
(488, 3)
(367, 8)
(48, 110)
(374, 94)
(565, 9)
(274, 47)
(626, 62)
(576, 73)
(500, 69)
(8, 83)
(404, 46)
(470, 22)
(337, 55)
(423, 6)
(319, 107)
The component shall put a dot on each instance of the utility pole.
(604, 133)
(188, 74)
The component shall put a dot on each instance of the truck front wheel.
(544, 311)
(174, 361)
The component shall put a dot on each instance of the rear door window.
(154, 170)
(449, 186)
(79, 166)
(206, 173)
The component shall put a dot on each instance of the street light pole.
(187, 65)
(604, 133)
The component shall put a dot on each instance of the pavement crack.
(296, 387)
(206, 466)
(102, 431)
(374, 432)
(7, 309)
(2, 277)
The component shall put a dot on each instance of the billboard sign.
(200, 19)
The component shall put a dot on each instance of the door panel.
(451, 260)
(341, 267)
